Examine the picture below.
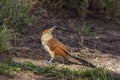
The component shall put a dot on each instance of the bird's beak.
(53, 28)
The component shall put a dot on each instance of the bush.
(15, 13)
(110, 7)
(5, 36)
(82, 7)
(106, 7)
(6, 69)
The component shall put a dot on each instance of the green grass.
(16, 14)
(87, 30)
(5, 36)
(10, 67)
(6, 69)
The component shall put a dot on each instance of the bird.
(53, 46)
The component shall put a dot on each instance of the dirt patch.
(4, 77)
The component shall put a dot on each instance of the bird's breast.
(44, 44)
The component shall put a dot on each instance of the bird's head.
(51, 29)
(48, 30)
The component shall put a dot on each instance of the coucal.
(54, 46)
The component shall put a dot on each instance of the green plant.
(65, 73)
(107, 7)
(87, 30)
(80, 6)
(6, 69)
(118, 8)
(84, 7)
(16, 14)
(5, 36)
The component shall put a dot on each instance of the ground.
(102, 49)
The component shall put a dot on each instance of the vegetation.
(10, 67)
(83, 7)
(15, 14)
(88, 30)
(8, 70)
(5, 36)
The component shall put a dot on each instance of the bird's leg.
(52, 55)
(50, 60)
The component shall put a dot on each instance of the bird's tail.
(83, 61)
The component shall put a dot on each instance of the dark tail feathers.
(83, 61)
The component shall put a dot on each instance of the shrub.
(82, 7)
(15, 13)
(5, 36)
(110, 7)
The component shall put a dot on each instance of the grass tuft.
(61, 73)
(5, 36)
(16, 14)
(6, 69)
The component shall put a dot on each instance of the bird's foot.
(49, 62)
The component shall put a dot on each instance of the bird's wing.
(58, 48)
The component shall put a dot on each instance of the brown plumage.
(54, 46)
(58, 48)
